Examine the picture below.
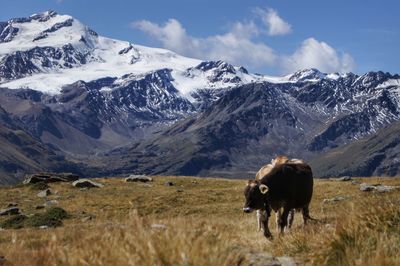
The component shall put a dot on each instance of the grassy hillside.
(374, 155)
(200, 222)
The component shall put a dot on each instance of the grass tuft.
(52, 218)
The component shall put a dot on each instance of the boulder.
(138, 178)
(377, 187)
(44, 193)
(86, 183)
(383, 188)
(10, 211)
(50, 178)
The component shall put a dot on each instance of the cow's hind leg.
(306, 214)
(290, 218)
(284, 219)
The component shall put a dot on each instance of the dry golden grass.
(200, 222)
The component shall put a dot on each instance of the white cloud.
(240, 45)
(274, 23)
(236, 46)
(315, 54)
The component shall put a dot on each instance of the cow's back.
(290, 184)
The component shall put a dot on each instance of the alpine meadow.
(201, 133)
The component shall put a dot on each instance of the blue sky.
(271, 37)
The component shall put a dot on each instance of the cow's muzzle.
(247, 209)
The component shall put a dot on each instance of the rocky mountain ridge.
(93, 100)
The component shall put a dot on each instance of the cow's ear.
(263, 188)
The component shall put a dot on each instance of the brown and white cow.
(288, 186)
(264, 171)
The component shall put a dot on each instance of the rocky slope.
(21, 153)
(251, 124)
(375, 155)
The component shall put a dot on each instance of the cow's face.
(255, 194)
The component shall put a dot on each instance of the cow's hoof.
(268, 235)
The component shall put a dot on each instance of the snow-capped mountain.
(46, 51)
(81, 94)
(250, 124)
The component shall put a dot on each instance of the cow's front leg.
(265, 214)
(278, 215)
(284, 219)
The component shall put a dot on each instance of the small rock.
(365, 187)
(44, 193)
(12, 204)
(261, 259)
(159, 226)
(355, 182)
(286, 261)
(179, 190)
(344, 178)
(51, 203)
(138, 178)
(194, 182)
(39, 207)
(86, 183)
(86, 219)
(169, 184)
(2, 258)
(43, 227)
(10, 211)
(334, 199)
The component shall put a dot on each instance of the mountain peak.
(44, 15)
(307, 74)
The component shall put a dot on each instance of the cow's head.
(255, 194)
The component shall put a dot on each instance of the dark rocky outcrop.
(50, 178)
(138, 178)
(10, 211)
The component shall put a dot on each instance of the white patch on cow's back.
(297, 161)
(266, 169)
